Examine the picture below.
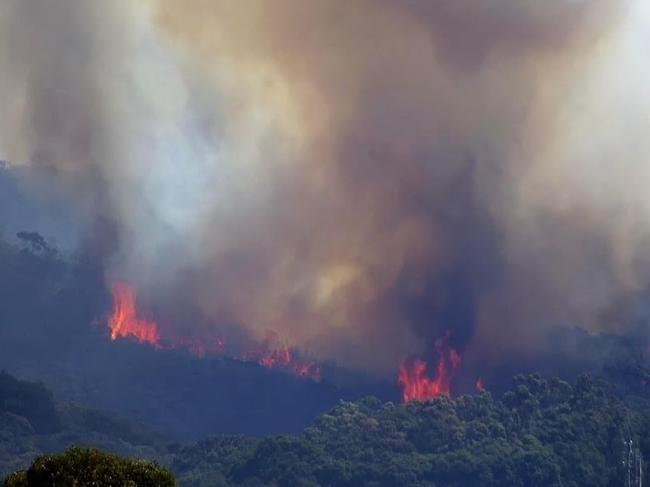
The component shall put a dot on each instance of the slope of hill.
(540, 433)
(32, 422)
(53, 328)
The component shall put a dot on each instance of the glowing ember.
(199, 348)
(276, 358)
(480, 386)
(309, 370)
(124, 321)
(418, 386)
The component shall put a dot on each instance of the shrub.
(79, 467)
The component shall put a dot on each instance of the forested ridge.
(540, 433)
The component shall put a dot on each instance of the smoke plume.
(358, 177)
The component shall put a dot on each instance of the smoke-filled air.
(398, 187)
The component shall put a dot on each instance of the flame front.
(282, 358)
(418, 386)
(124, 321)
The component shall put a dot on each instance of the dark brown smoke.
(359, 177)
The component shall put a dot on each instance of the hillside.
(540, 433)
(32, 423)
(53, 328)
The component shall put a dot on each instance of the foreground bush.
(79, 467)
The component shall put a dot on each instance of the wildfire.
(480, 386)
(124, 321)
(282, 358)
(199, 348)
(418, 386)
(310, 370)
(276, 358)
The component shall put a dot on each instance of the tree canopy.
(89, 467)
(542, 433)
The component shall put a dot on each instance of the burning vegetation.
(413, 377)
(126, 322)
(282, 358)
(418, 386)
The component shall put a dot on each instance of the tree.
(89, 467)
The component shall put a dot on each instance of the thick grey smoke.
(359, 177)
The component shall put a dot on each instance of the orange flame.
(417, 386)
(282, 358)
(480, 386)
(272, 359)
(124, 321)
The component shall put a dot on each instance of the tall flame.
(124, 321)
(418, 386)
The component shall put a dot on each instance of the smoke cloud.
(357, 177)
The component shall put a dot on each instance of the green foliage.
(540, 434)
(90, 467)
(209, 462)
